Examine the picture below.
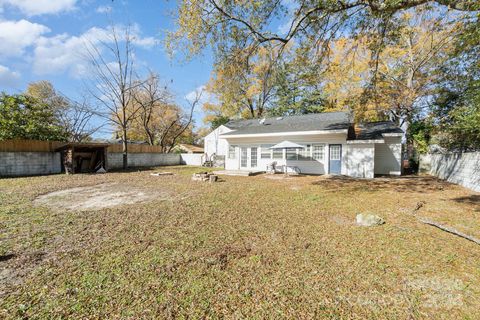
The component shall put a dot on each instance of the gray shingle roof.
(313, 122)
(374, 130)
(308, 122)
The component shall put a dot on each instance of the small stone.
(368, 220)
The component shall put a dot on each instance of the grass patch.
(247, 247)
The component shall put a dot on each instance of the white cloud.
(205, 96)
(38, 7)
(146, 42)
(135, 32)
(104, 9)
(66, 53)
(59, 53)
(16, 36)
(8, 78)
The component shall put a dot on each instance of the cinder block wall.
(38, 163)
(115, 160)
(460, 168)
(29, 163)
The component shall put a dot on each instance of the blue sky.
(42, 39)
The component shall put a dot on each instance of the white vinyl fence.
(460, 168)
(192, 159)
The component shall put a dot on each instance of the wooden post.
(105, 155)
(73, 159)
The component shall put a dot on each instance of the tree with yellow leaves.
(242, 85)
(158, 120)
(404, 74)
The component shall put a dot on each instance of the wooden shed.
(83, 157)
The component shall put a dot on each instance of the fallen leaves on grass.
(249, 247)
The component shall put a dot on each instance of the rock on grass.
(369, 220)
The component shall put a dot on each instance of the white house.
(332, 144)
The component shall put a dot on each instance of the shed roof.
(82, 145)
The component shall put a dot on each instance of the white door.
(248, 157)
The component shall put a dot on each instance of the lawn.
(246, 247)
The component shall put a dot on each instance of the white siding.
(213, 144)
(306, 166)
(388, 156)
(360, 159)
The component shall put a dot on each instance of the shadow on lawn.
(473, 200)
(399, 184)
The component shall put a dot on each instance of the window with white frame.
(305, 153)
(265, 151)
(335, 152)
(231, 152)
(292, 154)
(277, 153)
(318, 152)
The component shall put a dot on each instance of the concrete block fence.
(460, 168)
(115, 160)
(14, 164)
(29, 163)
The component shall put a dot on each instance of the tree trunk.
(125, 149)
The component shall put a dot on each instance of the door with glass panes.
(335, 158)
(248, 157)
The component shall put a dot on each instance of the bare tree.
(114, 81)
(150, 97)
(76, 118)
(184, 122)
(160, 121)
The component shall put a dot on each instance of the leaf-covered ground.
(246, 247)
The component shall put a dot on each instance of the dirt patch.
(342, 221)
(94, 197)
(278, 177)
(422, 184)
(439, 292)
(14, 269)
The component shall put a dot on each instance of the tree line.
(413, 62)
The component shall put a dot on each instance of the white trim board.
(395, 134)
(365, 141)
